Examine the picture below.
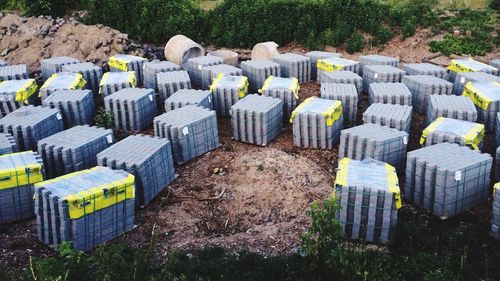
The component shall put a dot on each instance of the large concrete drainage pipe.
(228, 56)
(265, 50)
(180, 48)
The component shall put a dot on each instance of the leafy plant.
(104, 118)
(355, 43)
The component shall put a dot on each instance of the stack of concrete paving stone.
(90, 72)
(497, 131)
(348, 95)
(86, 208)
(381, 74)
(228, 90)
(376, 60)
(469, 65)
(426, 69)
(258, 71)
(285, 89)
(453, 131)
(422, 86)
(125, 63)
(390, 115)
(62, 81)
(495, 63)
(343, 77)
(317, 55)
(447, 179)
(152, 68)
(191, 129)
(369, 198)
(20, 171)
(171, 82)
(133, 109)
(189, 97)
(151, 163)
(29, 124)
(3, 63)
(294, 65)
(497, 164)
(336, 64)
(257, 119)
(74, 149)
(7, 144)
(464, 78)
(495, 216)
(114, 81)
(486, 97)
(374, 141)
(14, 72)
(54, 65)
(317, 123)
(16, 93)
(391, 93)
(195, 65)
(209, 73)
(456, 107)
(77, 106)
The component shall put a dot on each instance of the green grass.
(446, 4)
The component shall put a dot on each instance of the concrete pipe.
(265, 50)
(180, 48)
(228, 56)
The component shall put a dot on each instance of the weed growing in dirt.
(104, 118)
(260, 167)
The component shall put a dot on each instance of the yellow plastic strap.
(480, 99)
(298, 108)
(333, 113)
(118, 63)
(26, 91)
(393, 183)
(475, 136)
(100, 197)
(343, 168)
(267, 83)
(431, 128)
(325, 65)
(20, 175)
(457, 67)
(132, 79)
(295, 87)
(495, 188)
(78, 83)
(243, 87)
(49, 81)
(216, 82)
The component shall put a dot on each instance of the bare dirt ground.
(237, 196)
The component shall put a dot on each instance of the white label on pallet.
(405, 140)
(58, 116)
(185, 130)
(462, 80)
(209, 99)
(458, 175)
(151, 97)
(109, 138)
(376, 75)
(199, 67)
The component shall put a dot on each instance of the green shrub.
(56, 8)
(104, 118)
(355, 43)
(382, 36)
(409, 27)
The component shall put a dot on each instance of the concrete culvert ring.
(179, 49)
(228, 56)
